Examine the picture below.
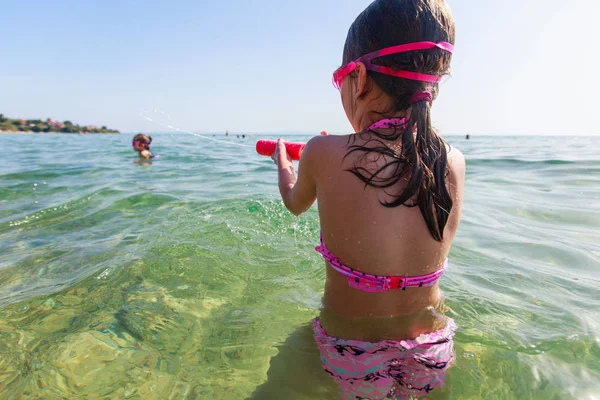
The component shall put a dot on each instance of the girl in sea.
(141, 144)
(390, 198)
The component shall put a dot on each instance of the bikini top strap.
(388, 282)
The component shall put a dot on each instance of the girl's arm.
(298, 194)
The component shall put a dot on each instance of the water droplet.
(35, 184)
(469, 355)
(35, 202)
(33, 188)
(45, 183)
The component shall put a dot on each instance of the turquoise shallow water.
(180, 279)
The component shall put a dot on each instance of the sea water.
(179, 278)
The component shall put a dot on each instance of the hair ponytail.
(431, 159)
(422, 161)
(423, 157)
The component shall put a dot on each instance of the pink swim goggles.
(143, 144)
(342, 72)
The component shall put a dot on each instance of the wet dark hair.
(422, 161)
(146, 139)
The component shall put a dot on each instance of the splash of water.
(146, 115)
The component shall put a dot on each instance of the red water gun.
(267, 148)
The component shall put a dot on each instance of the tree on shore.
(47, 126)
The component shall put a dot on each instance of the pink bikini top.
(376, 283)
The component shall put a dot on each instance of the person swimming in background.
(389, 201)
(141, 144)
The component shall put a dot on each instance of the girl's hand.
(278, 156)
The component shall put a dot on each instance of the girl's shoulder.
(456, 167)
(456, 159)
(326, 147)
(328, 142)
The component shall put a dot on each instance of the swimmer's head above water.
(141, 144)
(394, 50)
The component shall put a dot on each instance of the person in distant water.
(141, 144)
(468, 137)
(390, 198)
(243, 136)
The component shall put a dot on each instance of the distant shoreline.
(19, 126)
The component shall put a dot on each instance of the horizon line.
(231, 133)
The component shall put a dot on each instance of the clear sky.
(520, 66)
